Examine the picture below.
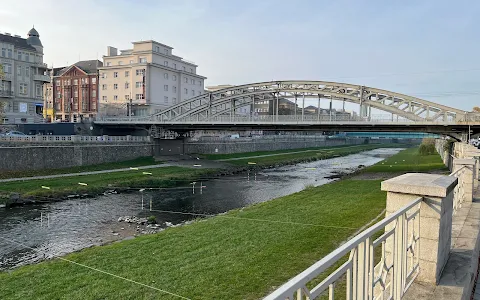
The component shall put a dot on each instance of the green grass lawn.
(218, 258)
(99, 182)
(409, 160)
(321, 153)
(142, 161)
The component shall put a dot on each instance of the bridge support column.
(303, 107)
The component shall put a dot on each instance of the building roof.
(17, 42)
(88, 66)
(33, 38)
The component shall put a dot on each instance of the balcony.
(44, 78)
(41, 64)
(6, 94)
(7, 77)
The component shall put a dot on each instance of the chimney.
(112, 51)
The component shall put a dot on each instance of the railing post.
(465, 176)
(435, 217)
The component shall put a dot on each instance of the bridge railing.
(365, 275)
(73, 139)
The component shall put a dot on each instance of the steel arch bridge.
(225, 102)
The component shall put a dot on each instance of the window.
(82, 80)
(27, 71)
(138, 84)
(104, 98)
(57, 82)
(94, 80)
(165, 87)
(94, 105)
(115, 97)
(166, 51)
(120, 63)
(104, 75)
(175, 66)
(108, 64)
(191, 70)
(75, 82)
(94, 93)
(131, 61)
(59, 96)
(157, 48)
(4, 52)
(165, 63)
(165, 99)
(174, 100)
(19, 70)
(104, 86)
(27, 57)
(143, 60)
(23, 88)
(127, 85)
(140, 71)
(165, 75)
(115, 74)
(127, 73)
(38, 90)
(139, 97)
(127, 97)
(192, 81)
(200, 82)
(186, 91)
(75, 94)
(115, 86)
(174, 77)
(174, 89)
(10, 53)
(184, 68)
(193, 92)
(186, 80)
(19, 56)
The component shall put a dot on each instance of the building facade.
(21, 89)
(72, 95)
(146, 79)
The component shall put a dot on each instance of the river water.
(32, 233)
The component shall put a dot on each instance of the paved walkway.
(83, 173)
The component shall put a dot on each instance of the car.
(15, 133)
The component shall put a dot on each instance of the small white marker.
(197, 165)
(147, 173)
(252, 163)
(133, 168)
(81, 183)
(45, 187)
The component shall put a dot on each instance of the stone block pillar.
(435, 217)
(465, 176)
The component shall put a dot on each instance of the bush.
(426, 149)
(152, 220)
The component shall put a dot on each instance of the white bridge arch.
(224, 102)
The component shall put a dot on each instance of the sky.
(428, 49)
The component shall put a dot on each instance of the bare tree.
(476, 109)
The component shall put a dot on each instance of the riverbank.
(242, 254)
(91, 185)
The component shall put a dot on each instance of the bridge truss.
(226, 102)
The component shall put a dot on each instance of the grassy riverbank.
(142, 161)
(299, 155)
(241, 255)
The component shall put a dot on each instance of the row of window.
(23, 71)
(22, 56)
(138, 97)
(58, 82)
(75, 94)
(143, 60)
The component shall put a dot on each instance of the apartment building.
(72, 95)
(21, 89)
(146, 79)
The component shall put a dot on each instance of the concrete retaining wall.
(62, 156)
(225, 147)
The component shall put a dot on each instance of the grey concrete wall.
(62, 156)
(234, 146)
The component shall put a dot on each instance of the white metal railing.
(365, 275)
(284, 119)
(73, 139)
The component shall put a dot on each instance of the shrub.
(152, 220)
(426, 149)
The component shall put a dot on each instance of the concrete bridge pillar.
(435, 219)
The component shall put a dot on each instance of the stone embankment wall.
(443, 148)
(63, 156)
(272, 144)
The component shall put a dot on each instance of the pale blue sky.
(428, 49)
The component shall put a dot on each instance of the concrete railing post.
(465, 176)
(435, 217)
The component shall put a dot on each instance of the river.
(43, 231)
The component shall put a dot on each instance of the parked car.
(15, 133)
